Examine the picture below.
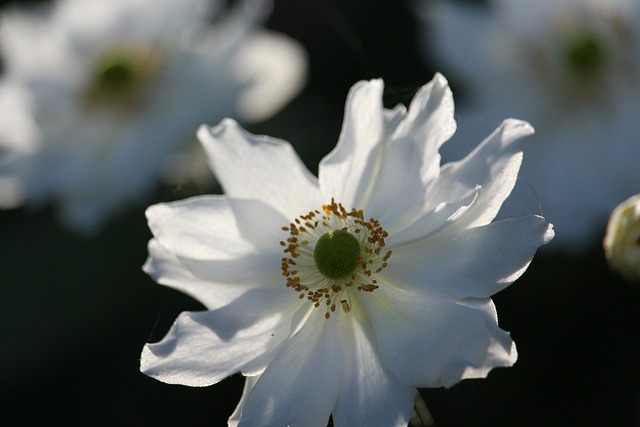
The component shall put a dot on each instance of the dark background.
(76, 311)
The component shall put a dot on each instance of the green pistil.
(585, 55)
(120, 76)
(336, 254)
(116, 75)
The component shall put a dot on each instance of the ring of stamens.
(300, 265)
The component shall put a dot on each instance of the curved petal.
(477, 262)
(427, 340)
(216, 227)
(274, 68)
(411, 159)
(348, 171)
(301, 384)
(439, 218)
(371, 395)
(249, 382)
(493, 165)
(167, 269)
(260, 168)
(205, 347)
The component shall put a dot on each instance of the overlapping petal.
(260, 168)
(413, 148)
(477, 262)
(203, 348)
(368, 385)
(492, 166)
(214, 285)
(301, 384)
(428, 340)
(216, 228)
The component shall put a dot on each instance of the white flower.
(572, 68)
(341, 294)
(622, 241)
(98, 94)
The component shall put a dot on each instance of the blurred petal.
(274, 67)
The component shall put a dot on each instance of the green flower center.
(116, 75)
(336, 254)
(120, 77)
(331, 256)
(585, 55)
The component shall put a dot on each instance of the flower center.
(585, 55)
(332, 255)
(120, 76)
(336, 254)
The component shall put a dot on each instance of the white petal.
(205, 347)
(477, 262)
(249, 382)
(347, 172)
(273, 67)
(428, 340)
(411, 159)
(260, 168)
(371, 395)
(167, 269)
(437, 219)
(215, 227)
(301, 384)
(493, 165)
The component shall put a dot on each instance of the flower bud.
(622, 241)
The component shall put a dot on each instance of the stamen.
(335, 253)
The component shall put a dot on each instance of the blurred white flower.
(98, 94)
(338, 295)
(622, 241)
(573, 68)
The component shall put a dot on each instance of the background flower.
(570, 67)
(99, 93)
(412, 310)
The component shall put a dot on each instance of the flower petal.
(273, 67)
(302, 382)
(260, 168)
(215, 227)
(347, 172)
(411, 159)
(249, 382)
(430, 341)
(203, 348)
(442, 215)
(493, 165)
(477, 262)
(371, 395)
(167, 269)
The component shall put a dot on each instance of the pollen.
(332, 255)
